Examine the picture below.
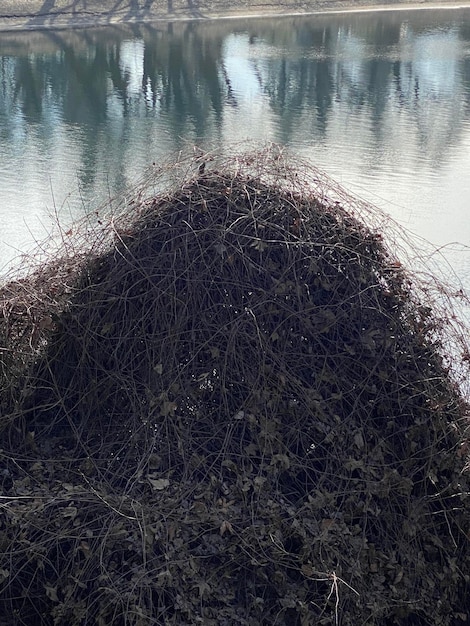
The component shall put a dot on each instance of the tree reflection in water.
(89, 109)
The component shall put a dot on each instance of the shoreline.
(56, 14)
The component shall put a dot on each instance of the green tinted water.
(380, 101)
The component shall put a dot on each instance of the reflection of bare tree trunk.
(257, 73)
(231, 98)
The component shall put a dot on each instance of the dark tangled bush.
(237, 412)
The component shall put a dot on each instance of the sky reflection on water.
(380, 101)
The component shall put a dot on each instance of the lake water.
(380, 101)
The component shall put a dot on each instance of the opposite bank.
(38, 14)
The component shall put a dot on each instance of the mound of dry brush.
(234, 407)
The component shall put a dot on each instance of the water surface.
(381, 101)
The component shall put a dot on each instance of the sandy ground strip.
(39, 14)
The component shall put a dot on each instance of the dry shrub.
(231, 404)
